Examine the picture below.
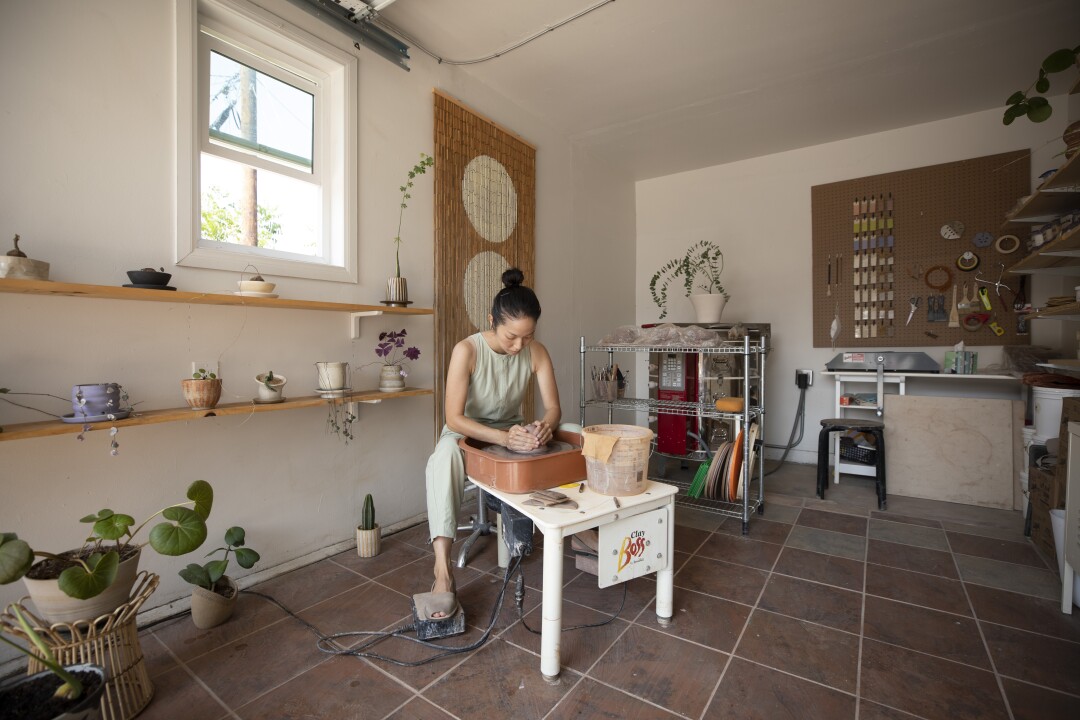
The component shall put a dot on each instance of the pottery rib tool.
(954, 314)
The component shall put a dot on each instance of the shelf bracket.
(353, 403)
(354, 321)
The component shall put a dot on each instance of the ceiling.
(663, 87)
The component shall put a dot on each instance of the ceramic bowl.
(256, 286)
(149, 277)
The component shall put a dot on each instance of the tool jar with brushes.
(617, 458)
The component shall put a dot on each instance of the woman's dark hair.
(514, 301)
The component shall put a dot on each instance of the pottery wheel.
(551, 447)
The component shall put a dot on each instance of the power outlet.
(804, 378)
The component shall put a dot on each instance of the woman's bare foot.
(444, 571)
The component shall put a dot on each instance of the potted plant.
(97, 578)
(703, 263)
(270, 387)
(58, 693)
(1036, 107)
(394, 363)
(367, 532)
(397, 291)
(214, 595)
(202, 390)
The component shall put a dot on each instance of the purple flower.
(389, 342)
(413, 353)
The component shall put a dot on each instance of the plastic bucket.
(1047, 411)
(1057, 522)
(626, 470)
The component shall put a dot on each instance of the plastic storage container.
(626, 470)
(1046, 414)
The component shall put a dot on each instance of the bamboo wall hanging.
(485, 205)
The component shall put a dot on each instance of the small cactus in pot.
(367, 532)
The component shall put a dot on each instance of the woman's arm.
(462, 362)
(549, 392)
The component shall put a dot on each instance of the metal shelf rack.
(753, 373)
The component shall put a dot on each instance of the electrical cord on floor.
(378, 636)
(519, 599)
(798, 425)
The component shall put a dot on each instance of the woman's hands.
(523, 438)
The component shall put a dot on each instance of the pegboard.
(895, 221)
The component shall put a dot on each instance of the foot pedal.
(436, 628)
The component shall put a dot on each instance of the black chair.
(876, 428)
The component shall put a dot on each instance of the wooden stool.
(111, 641)
(876, 428)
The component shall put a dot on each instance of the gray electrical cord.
(799, 425)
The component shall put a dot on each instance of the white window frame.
(255, 30)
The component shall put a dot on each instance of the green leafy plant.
(72, 687)
(88, 571)
(207, 576)
(420, 168)
(367, 521)
(1035, 106)
(703, 262)
(203, 374)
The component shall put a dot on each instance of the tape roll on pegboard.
(1007, 244)
(968, 261)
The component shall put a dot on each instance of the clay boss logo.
(633, 549)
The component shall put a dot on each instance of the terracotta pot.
(390, 379)
(55, 606)
(210, 609)
(201, 394)
(367, 542)
(87, 707)
(709, 308)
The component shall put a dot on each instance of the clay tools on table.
(550, 498)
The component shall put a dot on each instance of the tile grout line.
(862, 620)
(199, 681)
(982, 636)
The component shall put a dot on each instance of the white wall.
(758, 211)
(88, 181)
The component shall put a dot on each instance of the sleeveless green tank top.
(498, 385)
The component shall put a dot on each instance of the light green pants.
(445, 477)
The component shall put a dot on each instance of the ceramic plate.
(255, 294)
(716, 470)
(119, 415)
(736, 465)
(751, 458)
(151, 287)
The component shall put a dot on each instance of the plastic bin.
(626, 470)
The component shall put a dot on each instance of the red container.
(529, 473)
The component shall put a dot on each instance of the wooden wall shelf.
(109, 292)
(48, 428)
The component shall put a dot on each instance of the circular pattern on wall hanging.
(490, 198)
(483, 278)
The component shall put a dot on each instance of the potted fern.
(367, 532)
(57, 693)
(700, 269)
(214, 596)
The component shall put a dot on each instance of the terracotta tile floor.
(824, 610)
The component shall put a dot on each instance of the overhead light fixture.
(353, 17)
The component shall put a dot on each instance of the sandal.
(429, 603)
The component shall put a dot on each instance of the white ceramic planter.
(56, 607)
(709, 308)
(332, 375)
(390, 379)
(272, 394)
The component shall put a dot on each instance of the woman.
(489, 374)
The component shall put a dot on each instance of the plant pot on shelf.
(332, 375)
(270, 392)
(31, 697)
(201, 394)
(210, 608)
(708, 308)
(54, 605)
(397, 292)
(367, 542)
(391, 379)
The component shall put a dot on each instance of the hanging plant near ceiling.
(1034, 105)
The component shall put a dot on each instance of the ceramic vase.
(390, 379)
(708, 308)
(367, 542)
(95, 399)
(54, 605)
(332, 375)
(210, 609)
(397, 291)
(201, 394)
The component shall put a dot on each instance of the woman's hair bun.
(513, 277)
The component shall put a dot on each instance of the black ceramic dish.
(144, 278)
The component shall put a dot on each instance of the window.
(265, 136)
